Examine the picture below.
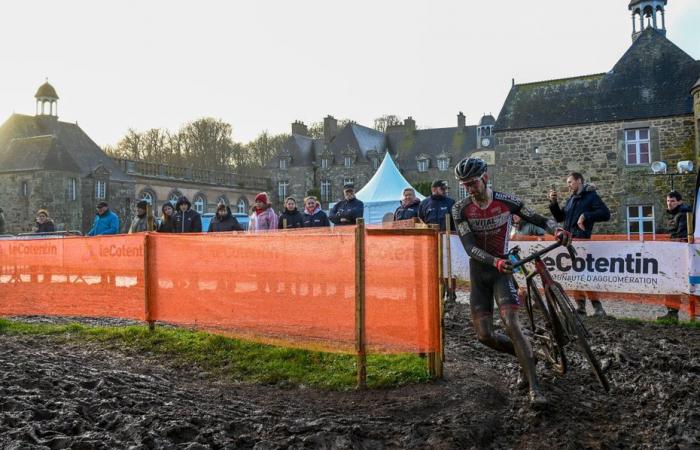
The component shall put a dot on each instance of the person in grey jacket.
(140, 221)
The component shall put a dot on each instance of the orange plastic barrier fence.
(290, 287)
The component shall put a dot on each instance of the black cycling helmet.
(470, 168)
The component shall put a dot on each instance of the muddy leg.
(486, 335)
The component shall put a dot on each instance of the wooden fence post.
(440, 354)
(360, 304)
(147, 281)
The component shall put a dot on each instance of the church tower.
(650, 11)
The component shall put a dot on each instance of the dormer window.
(375, 163)
(283, 163)
(324, 163)
(422, 165)
(443, 164)
(348, 161)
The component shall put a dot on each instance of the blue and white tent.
(382, 193)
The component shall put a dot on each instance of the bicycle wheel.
(576, 328)
(547, 330)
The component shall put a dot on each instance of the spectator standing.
(224, 221)
(43, 223)
(186, 219)
(583, 209)
(106, 221)
(348, 210)
(263, 217)
(409, 205)
(677, 228)
(167, 224)
(291, 215)
(2, 222)
(140, 221)
(313, 216)
(524, 228)
(433, 209)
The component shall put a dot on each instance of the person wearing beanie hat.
(140, 221)
(290, 217)
(186, 219)
(262, 217)
(224, 220)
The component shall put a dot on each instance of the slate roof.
(636, 2)
(652, 79)
(357, 137)
(486, 120)
(68, 136)
(37, 153)
(46, 90)
(407, 145)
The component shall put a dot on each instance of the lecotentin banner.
(633, 267)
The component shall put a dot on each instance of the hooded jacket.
(46, 227)
(586, 202)
(434, 208)
(317, 219)
(294, 219)
(677, 225)
(186, 222)
(106, 223)
(266, 220)
(228, 223)
(407, 212)
(347, 209)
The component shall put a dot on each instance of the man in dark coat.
(185, 219)
(583, 209)
(224, 221)
(433, 209)
(677, 228)
(409, 205)
(347, 211)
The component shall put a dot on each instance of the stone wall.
(598, 152)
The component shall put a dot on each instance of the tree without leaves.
(384, 122)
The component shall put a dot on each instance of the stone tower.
(651, 10)
(695, 92)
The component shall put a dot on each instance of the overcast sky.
(261, 64)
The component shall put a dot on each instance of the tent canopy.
(383, 192)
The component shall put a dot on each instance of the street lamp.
(683, 167)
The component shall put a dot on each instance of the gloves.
(562, 236)
(504, 266)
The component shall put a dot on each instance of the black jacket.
(228, 223)
(46, 227)
(188, 222)
(317, 219)
(166, 226)
(347, 209)
(407, 212)
(434, 208)
(294, 219)
(587, 203)
(677, 225)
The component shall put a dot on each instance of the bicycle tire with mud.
(552, 342)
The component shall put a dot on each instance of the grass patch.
(239, 360)
(664, 322)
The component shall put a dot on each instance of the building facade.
(612, 127)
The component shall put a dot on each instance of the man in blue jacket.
(583, 209)
(434, 208)
(106, 222)
(347, 211)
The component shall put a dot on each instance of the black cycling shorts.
(488, 283)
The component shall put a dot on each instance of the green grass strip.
(239, 360)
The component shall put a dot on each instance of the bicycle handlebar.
(570, 248)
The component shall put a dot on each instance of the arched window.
(147, 197)
(222, 200)
(174, 195)
(199, 203)
(242, 206)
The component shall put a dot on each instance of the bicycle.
(553, 320)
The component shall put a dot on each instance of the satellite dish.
(685, 166)
(658, 167)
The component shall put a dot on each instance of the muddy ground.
(56, 395)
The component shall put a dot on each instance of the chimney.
(298, 127)
(330, 128)
(409, 124)
(461, 120)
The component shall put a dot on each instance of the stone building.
(46, 163)
(353, 153)
(611, 127)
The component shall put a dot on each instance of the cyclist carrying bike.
(483, 221)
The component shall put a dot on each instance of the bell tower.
(46, 100)
(647, 14)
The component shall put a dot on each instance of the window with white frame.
(221, 201)
(147, 197)
(174, 196)
(325, 190)
(462, 192)
(283, 163)
(637, 147)
(72, 189)
(242, 206)
(640, 220)
(100, 189)
(422, 165)
(348, 181)
(348, 161)
(443, 164)
(25, 189)
(324, 163)
(282, 188)
(199, 203)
